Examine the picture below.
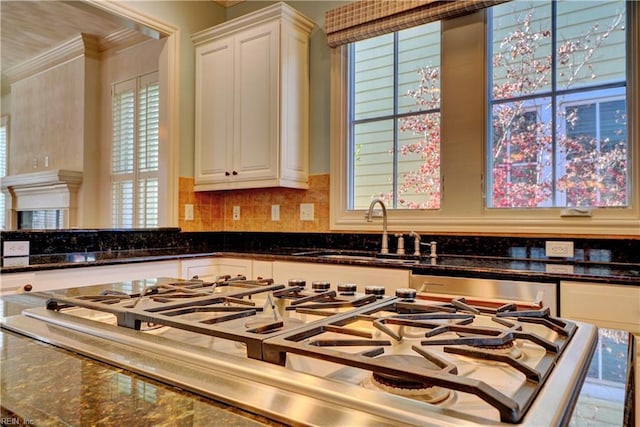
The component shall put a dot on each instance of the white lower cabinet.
(16, 283)
(47, 280)
(210, 268)
(390, 278)
(262, 269)
(605, 305)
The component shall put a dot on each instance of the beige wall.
(47, 116)
(190, 17)
(117, 67)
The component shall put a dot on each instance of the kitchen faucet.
(416, 243)
(385, 238)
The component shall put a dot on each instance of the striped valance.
(368, 18)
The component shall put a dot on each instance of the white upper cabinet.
(252, 101)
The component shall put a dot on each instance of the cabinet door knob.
(27, 287)
(235, 173)
(227, 173)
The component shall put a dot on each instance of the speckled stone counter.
(518, 258)
(47, 386)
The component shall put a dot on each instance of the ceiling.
(29, 28)
(26, 29)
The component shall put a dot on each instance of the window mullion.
(351, 130)
(554, 105)
(136, 154)
(395, 119)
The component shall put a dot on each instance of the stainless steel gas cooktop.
(366, 358)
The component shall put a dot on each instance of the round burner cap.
(347, 288)
(320, 285)
(406, 293)
(376, 290)
(297, 282)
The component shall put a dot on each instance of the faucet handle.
(433, 246)
(400, 237)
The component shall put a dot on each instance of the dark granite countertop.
(92, 259)
(48, 386)
(446, 264)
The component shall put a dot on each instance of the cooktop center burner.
(421, 389)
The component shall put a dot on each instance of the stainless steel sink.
(346, 256)
(349, 257)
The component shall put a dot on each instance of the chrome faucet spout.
(385, 237)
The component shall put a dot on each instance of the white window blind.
(3, 169)
(135, 152)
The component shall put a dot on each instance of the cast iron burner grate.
(330, 341)
(235, 309)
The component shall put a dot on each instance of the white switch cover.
(306, 211)
(188, 212)
(236, 213)
(275, 212)
(15, 248)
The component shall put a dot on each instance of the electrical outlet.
(236, 213)
(558, 249)
(188, 212)
(275, 212)
(306, 211)
(15, 248)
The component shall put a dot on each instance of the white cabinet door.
(252, 96)
(262, 269)
(605, 305)
(16, 283)
(255, 154)
(214, 111)
(390, 278)
(46, 280)
(209, 268)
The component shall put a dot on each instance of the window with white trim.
(537, 159)
(393, 120)
(135, 152)
(567, 62)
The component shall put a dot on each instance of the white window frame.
(137, 175)
(463, 115)
(578, 100)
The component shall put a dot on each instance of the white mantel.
(55, 189)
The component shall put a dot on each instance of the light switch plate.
(188, 212)
(275, 212)
(306, 211)
(236, 213)
(15, 248)
(558, 249)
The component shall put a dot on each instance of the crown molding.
(121, 39)
(82, 44)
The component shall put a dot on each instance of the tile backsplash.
(213, 210)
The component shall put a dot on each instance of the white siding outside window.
(135, 152)
(391, 111)
(577, 143)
